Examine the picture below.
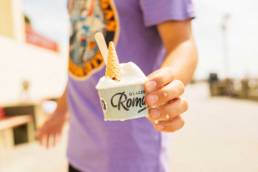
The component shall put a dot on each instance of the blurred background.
(221, 132)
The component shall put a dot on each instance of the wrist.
(61, 114)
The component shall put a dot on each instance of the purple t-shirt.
(95, 145)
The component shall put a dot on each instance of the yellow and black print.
(88, 17)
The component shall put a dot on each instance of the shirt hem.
(182, 17)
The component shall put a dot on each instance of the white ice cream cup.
(123, 102)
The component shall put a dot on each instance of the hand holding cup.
(163, 99)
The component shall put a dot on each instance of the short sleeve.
(158, 11)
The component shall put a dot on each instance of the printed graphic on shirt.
(88, 17)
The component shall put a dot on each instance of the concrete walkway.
(220, 135)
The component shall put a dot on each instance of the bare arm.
(165, 86)
(181, 56)
(62, 107)
(49, 133)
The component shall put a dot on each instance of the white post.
(224, 29)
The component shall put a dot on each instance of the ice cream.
(121, 90)
(130, 74)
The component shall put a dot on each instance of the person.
(157, 36)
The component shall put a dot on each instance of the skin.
(164, 87)
(50, 132)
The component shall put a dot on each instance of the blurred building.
(27, 55)
(11, 20)
(34, 38)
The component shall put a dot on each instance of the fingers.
(40, 136)
(168, 111)
(43, 137)
(48, 138)
(57, 138)
(170, 125)
(162, 98)
(158, 79)
(47, 141)
(52, 140)
(169, 92)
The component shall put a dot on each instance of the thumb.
(158, 79)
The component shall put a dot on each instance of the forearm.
(182, 60)
(62, 107)
(165, 86)
(49, 133)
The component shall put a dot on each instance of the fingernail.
(160, 127)
(151, 86)
(154, 113)
(152, 99)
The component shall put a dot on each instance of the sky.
(242, 36)
(50, 18)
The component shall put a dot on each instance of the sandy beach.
(220, 135)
